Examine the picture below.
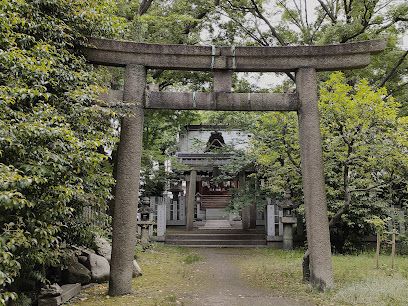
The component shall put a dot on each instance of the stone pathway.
(224, 285)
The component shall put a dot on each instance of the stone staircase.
(223, 238)
(216, 225)
(215, 201)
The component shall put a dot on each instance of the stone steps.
(216, 224)
(217, 238)
(214, 242)
(216, 214)
(215, 201)
(243, 236)
(235, 246)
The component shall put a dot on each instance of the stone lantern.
(175, 189)
(144, 222)
(288, 219)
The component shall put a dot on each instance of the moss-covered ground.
(358, 282)
(171, 274)
(168, 273)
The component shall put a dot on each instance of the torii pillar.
(127, 185)
(317, 224)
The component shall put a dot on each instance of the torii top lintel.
(241, 59)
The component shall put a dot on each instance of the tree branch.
(289, 151)
(365, 23)
(270, 26)
(394, 69)
(400, 87)
(373, 187)
(260, 41)
(328, 12)
(144, 6)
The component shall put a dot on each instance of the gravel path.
(223, 285)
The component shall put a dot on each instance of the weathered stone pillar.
(317, 226)
(222, 80)
(288, 236)
(161, 220)
(127, 186)
(191, 200)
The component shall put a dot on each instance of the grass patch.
(192, 258)
(166, 279)
(379, 291)
(357, 280)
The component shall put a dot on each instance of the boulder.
(50, 291)
(83, 251)
(103, 247)
(99, 267)
(83, 259)
(76, 273)
(136, 270)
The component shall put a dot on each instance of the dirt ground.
(226, 287)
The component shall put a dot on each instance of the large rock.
(136, 270)
(76, 273)
(83, 259)
(103, 247)
(99, 267)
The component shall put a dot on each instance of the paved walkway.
(225, 287)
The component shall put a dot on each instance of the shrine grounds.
(253, 276)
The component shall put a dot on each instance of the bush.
(51, 135)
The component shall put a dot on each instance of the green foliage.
(246, 195)
(192, 258)
(378, 223)
(51, 135)
(364, 148)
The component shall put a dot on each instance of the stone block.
(290, 220)
(136, 270)
(69, 291)
(50, 301)
(50, 291)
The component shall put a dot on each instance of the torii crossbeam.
(305, 61)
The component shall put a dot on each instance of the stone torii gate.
(305, 61)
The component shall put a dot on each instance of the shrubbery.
(51, 135)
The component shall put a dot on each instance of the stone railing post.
(161, 220)
(317, 225)
(191, 200)
(270, 220)
(127, 186)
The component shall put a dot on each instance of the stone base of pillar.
(287, 236)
